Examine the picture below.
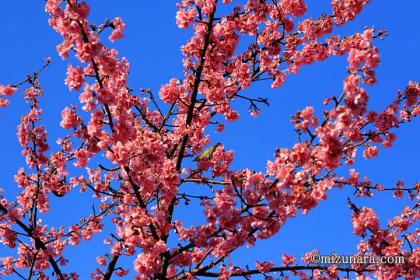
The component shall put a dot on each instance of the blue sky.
(152, 45)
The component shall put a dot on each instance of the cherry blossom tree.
(139, 153)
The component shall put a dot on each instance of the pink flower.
(53, 7)
(101, 260)
(412, 93)
(346, 10)
(32, 93)
(119, 27)
(69, 119)
(296, 8)
(287, 260)
(279, 79)
(416, 111)
(220, 127)
(8, 236)
(170, 92)
(121, 272)
(7, 265)
(364, 220)
(241, 73)
(264, 267)
(147, 262)
(315, 29)
(231, 115)
(185, 17)
(331, 148)
(75, 77)
(7, 90)
(370, 152)
(80, 11)
(306, 119)
(3, 102)
(353, 178)
(307, 258)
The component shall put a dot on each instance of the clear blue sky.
(152, 45)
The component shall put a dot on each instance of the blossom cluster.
(133, 157)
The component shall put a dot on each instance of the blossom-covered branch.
(143, 144)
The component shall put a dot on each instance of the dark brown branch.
(39, 244)
(184, 140)
(195, 88)
(30, 78)
(111, 267)
(282, 269)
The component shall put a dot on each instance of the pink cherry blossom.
(69, 118)
(119, 27)
(7, 90)
(141, 157)
(74, 78)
